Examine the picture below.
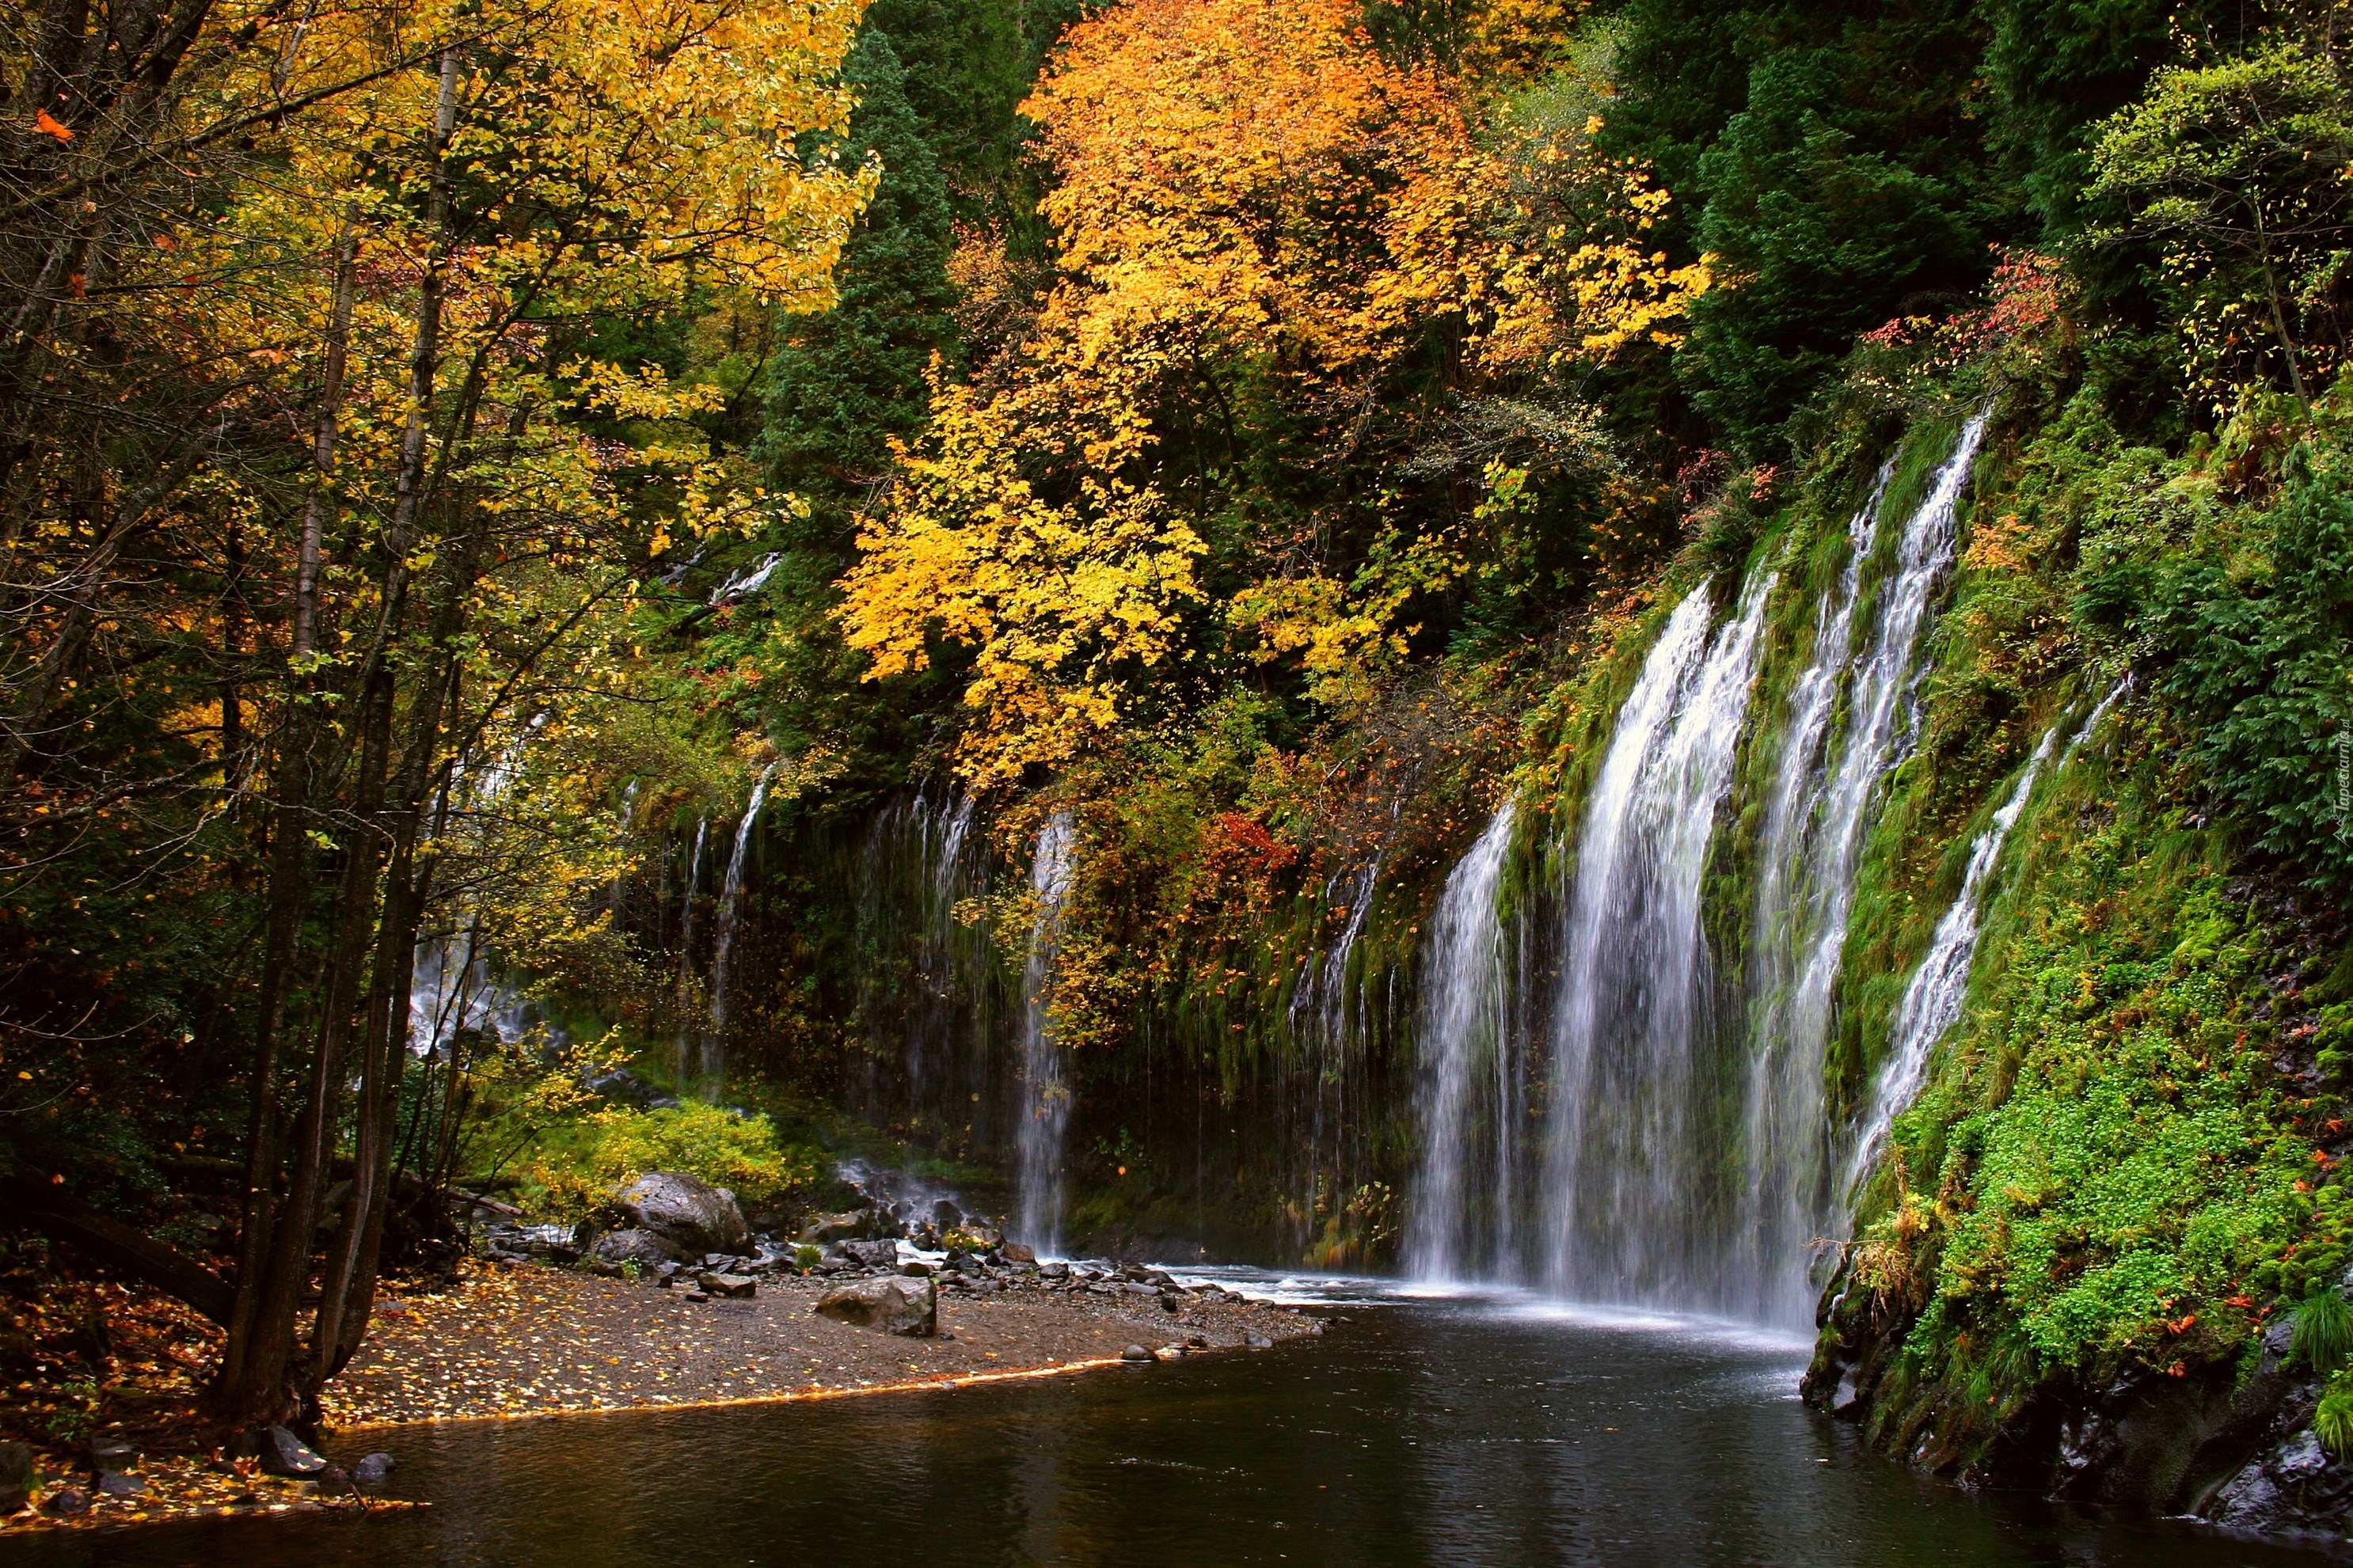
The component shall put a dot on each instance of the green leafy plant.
(2324, 1334)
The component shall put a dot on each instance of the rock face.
(15, 1476)
(692, 1214)
(896, 1304)
(649, 1249)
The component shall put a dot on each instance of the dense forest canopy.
(451, 454)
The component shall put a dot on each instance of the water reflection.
(1484, 1431)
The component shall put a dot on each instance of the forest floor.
(529, 1339)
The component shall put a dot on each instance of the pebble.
(1136, 1353)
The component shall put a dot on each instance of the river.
(1420, 1431)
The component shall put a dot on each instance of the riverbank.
(526, 1340)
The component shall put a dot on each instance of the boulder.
(112, 1453)
(120, 1483)
(16, 1476)
(648, 1249)
(284, 1453)
(372, 1470)
(1020, 1252)
(65, 1504)
(694, 1215)
(872, 1254)
(946, 1216)
(1137, 1353)
(732, 1287)
(896, 1303)
(847, 1225)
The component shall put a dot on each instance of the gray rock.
(896, 1303)
(372, 1470)
(946, 1216)
(15, 1476)
(1260, 1342)
(917, 1269)
(872, 1254)
(852, 1225)
(120, 1483)
(65, 1504)
(109, 1452)
(1018, 1252)
(284, 1453)
(648, 1249)
(1137, 1353)
(1055, 1270)
(694, 1215)
(732, 1287)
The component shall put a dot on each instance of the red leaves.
(46, 124)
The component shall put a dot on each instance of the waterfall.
(1809, 851)
(451, 985)
(1046, 1098)
(722, 939)
(1633, 1180)
(680, 1063)
(1933, 998)
(1465, 1206)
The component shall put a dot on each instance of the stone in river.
(1020, 1252)
(649, 1249)
(120, 1483)
(15, 1476)
(733, 1287)
(896, 1303)
(1136, 1353)
(697, 1216)
(872, 1254)
(65, 1503)
(372, 1470)
(1054, 1270)
(1169, 1353)
(284, 1453)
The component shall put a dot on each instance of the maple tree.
(1263, 226)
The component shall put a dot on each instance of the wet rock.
(65, 1504)
(853, 1225)
(120, 1483)
(1137, 1353)
(1054, 1270)
(284, 1453)
(696, 1216)
(15, 1476)
(895, 1304)
(729, 1286)
(946, 1216)
(1169, 1353)
(917, 1269)
(1018, 1252)
(872, 1254)
(372, 1469)
(648, 1249)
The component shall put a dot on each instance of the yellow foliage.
(1238, 183)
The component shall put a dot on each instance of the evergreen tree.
(852, 378)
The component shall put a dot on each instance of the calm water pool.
(1438, 1432)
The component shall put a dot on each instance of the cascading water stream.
(1809, 851)
(1045, 1094)
(1466, 1205)
(1933, 998)
(713, 1065)
(1633, 1182)
(680, 1053)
